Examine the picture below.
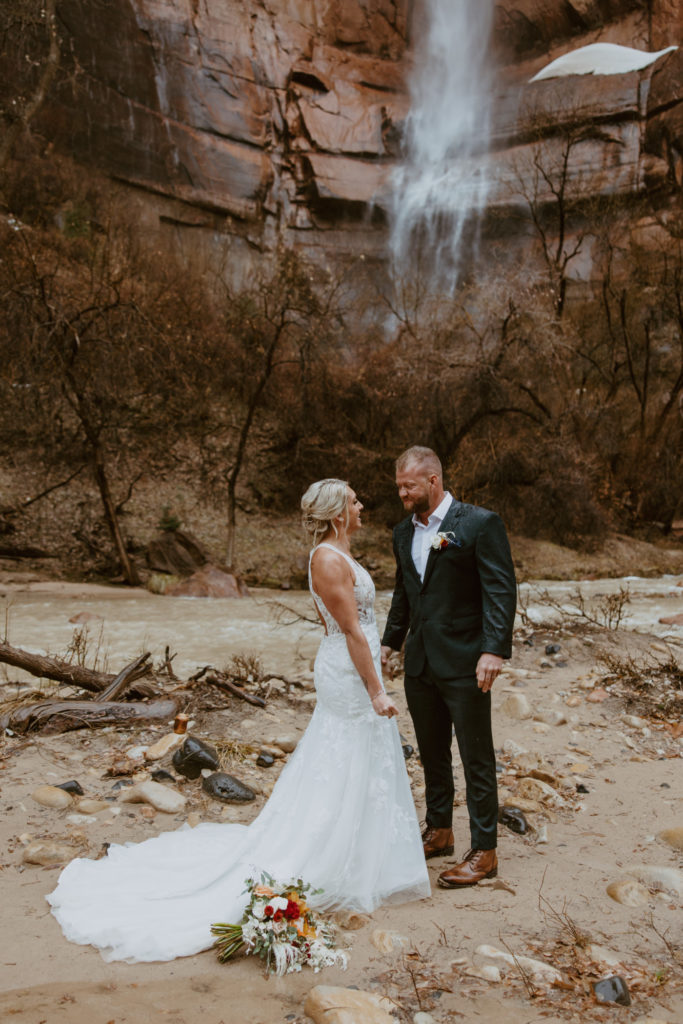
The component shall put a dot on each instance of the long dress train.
(340, 816)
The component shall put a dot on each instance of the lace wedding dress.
(340, 816)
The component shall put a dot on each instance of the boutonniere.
(445, 540)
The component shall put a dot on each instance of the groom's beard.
(417, 505)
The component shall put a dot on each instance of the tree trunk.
(130, 573)
(60, 671)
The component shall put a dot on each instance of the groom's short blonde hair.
(423, 458)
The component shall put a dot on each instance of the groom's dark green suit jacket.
(466, 604)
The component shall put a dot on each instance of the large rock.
(327, 1004)
(175, 552)
(209, 582)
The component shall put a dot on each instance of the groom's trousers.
(436, 707)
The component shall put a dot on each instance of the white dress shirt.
(425, 534)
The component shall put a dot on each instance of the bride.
(340, 816)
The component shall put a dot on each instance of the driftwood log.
(62, 716)
(62, 671)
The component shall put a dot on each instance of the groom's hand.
(488, 668)
(386, 654)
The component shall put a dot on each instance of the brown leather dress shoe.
(437, 842)
(477, 864)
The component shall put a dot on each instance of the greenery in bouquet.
(280, 927)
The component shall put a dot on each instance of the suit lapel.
(447, 523)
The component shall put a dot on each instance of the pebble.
(552, 648)
(227, 788)
(551, 718)
(164, 746)
(672, 836)
(628, 892)
(265, 760)
(514, 819)
(538, 970)
(604, 956)
(193, 756)
(161, 775)
(660, 876)
(121, 784)
(160, 797)
(541, 728)
(535, 789)
(72, 787)
(286, 743)
(516, 706)
(423, 1018)
(542, 835)
(513, 749)
(408, 751)
(597, 696)
(47, 853)
(329, 1004)
(52, 796)
(388, 941)
(573, 700)
(351, 920)
(489, 972)
(612, 990)
(90, 806)
(270, 751)
(136, 753)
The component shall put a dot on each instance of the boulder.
(209, 582)
(175, 552)
(327, 1004)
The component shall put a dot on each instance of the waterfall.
(442, 184)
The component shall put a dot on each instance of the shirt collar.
(437, 515)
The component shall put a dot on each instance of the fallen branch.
(62, 716)
(225, 684)
(61, 671)
(123, 680)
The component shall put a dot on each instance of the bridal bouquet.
(278, 926)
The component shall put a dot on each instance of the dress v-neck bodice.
(363, 588)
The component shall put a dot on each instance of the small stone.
(48, 853)
(581, 788)
(286, 743)
(52, 796)
(552, 717)
(388, 941)
(612, 990)
(148, 812)
(160, 797)
(489, 972)
(89, 806)
(351, 920)
(164, 746)
(513, 749)
(573, 701)
(122, 784)
(514, 819)
(423, 1018)
(628, 892)
(72, 787)
(270, 751)
(535, 789)
(672, 836)
(408, 751)
(265, 760)
(552, 648)
(604, 956)
(193, 819)
(193, 756)
(136, 753)
(328, 1004)
(538, 970)
(541, 728)
(598, 695)
(228, 789)
(516, 706)
(161, 775)
(542, 835)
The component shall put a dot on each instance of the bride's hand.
(384, 705)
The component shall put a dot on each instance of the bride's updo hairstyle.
(321, 504)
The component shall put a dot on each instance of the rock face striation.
(244, 119)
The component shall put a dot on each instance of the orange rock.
(597, 696)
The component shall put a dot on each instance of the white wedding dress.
(340, 816)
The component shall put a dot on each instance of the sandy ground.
(549, 901)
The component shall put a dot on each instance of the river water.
(126, 622)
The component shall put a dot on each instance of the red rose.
(278, 915)
(292, 912)
(268, 911)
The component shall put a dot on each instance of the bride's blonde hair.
(321, 504)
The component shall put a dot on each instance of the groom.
(455, 598)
